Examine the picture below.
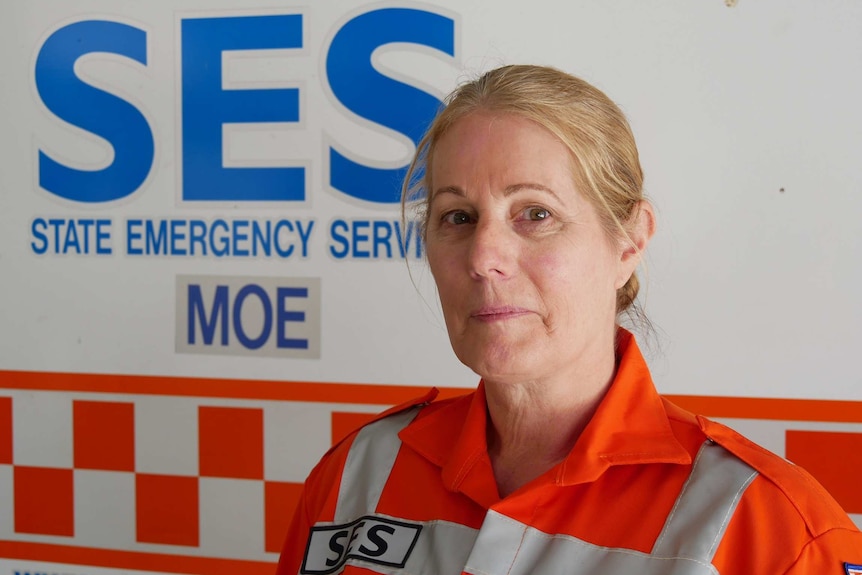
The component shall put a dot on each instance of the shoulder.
(785, 521)
(323, 482)
(782, 481)
(779, 482)
(386, 423)
(411, 405)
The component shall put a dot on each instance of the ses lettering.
(207, 106)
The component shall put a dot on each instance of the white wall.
(747, 120)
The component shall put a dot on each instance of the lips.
(498, 313)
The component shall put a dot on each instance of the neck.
(533, 425)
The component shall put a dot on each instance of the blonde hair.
(606, 165)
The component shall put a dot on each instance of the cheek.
(581, 280)
(442, 265)
(432, 255)
(547, 262)
(556, 267)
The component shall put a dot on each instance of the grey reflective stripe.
(686, 545)
(504, 546)
(368, 465)
(442, 548)
(509, 547)
(703, 509)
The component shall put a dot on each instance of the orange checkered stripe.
(230, 445)
(166, 506)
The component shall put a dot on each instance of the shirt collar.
(629, 427)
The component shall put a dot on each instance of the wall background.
(125, 445)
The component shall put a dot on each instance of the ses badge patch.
(851, 569)
(373, 539)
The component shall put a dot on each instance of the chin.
(498, 364)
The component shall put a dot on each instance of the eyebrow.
(512, 189)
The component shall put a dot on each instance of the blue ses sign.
(207, 105)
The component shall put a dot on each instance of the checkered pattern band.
(178, 475)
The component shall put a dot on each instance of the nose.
(492, 250)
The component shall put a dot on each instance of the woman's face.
(527, 276)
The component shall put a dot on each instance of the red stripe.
(366, 394)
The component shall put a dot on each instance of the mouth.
(498, 313)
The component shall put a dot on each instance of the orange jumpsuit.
(648, 488)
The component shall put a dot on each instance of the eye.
(456, 218)
(536, 214)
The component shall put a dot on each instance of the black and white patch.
(373, 539)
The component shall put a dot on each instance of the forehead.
(499, 147)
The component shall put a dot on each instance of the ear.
(640, 231)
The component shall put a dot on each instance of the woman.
(565, 459)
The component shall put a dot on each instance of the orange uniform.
(648, 488)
